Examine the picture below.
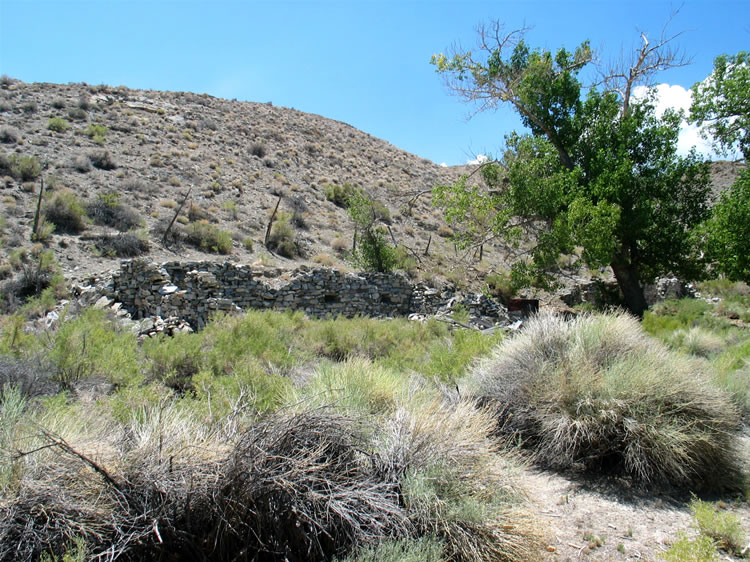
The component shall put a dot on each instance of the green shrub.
(90, 346)
(501, 285)
(96, 132)
(66, 212)
(423, 549)
(58, 124)
(20, 167)
(724, 528)
(282, 239)
(208, 238)
(597, 392)
(684, 549)
(340, 195)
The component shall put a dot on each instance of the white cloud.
(480, 159)
(443, 165)
(677, 97)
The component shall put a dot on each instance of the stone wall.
(194, 290)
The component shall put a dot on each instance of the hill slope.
(236, 158)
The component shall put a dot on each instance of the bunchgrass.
(598, 393)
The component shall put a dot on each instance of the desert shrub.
(29, 107)
(247, 243)
(107, 209)
(58, 103)
(81, 163)
(597, 392)
(58, 125)
(38, 284)
(282, 239)
(698, 341)
(340, 194)
(737, 383)
(9, 135)
(32, 376)
(258, 149)
(77, 114)
(102, 160)
(208, 238)
(90, 346)
(324, 260)
(124, 245)
(424, 549)
(66, 212)
(20, 167)
(298, 485)
(96, 132)
(455, 486)
(159, 466)
(685, 549)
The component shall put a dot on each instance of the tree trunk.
(630, 285)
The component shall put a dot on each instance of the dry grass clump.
(133, 491)
(301, 487)
(306, 484)
(596, 393)
(455, 485)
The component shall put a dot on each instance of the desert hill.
(236, 158)
(129, 158)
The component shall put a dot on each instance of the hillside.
(237, 158)
(130, 157)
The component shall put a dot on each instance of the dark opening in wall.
(385, 298)
(329, 299)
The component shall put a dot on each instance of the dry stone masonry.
(193, 291)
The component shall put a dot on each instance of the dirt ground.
(606, 520)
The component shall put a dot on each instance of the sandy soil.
(607, 520)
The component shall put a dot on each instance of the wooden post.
(427, 249)
(174, 218)
(270, 222)
(38, 211)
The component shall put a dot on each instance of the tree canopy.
(597, 175)
(722, 102)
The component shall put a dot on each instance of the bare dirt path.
(607, 521)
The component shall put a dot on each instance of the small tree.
(598, 174)
(371, 252)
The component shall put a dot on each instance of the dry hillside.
(235, 158)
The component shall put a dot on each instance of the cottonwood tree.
(598, 172)
(721, 103)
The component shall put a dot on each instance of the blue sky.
(362, 62)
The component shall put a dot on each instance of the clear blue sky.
(362, 62)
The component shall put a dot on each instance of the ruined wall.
(193, 290)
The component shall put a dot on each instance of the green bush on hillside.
(66, 212)
(597, 392)
(208, 238)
